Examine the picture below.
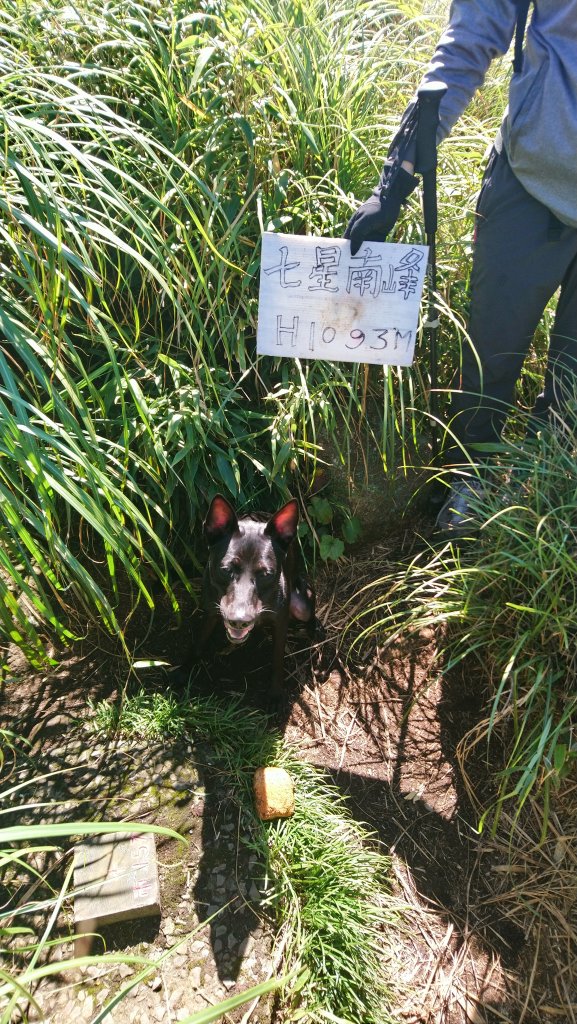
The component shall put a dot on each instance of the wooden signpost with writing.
(319, 302)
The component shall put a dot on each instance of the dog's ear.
(282, 527)
(220, 521)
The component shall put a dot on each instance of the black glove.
(378, 214)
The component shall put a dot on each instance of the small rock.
(59, 752)
(156, 983)
(228, 983)
(70, 1011)
(195, 977)
(169, 927)
(176, 996)
(94, 972)
(199, 953)
(248, 967)
(246, 946)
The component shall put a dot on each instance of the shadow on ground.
(385, 726)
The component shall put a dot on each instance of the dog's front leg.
(280, 628)
(206, 632)
(180, 675)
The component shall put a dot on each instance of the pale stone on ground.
(117, 874)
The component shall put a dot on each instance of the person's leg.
(560, 390)
(522, 255)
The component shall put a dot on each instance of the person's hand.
(377, 216)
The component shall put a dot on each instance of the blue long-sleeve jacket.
(539, 128)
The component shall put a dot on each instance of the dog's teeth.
(238, 636)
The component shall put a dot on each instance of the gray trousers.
(522, 255)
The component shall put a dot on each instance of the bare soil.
(490, 933)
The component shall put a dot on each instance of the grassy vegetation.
(144, 149)
(327, 882)
(504, 602)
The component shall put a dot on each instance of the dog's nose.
(238, 629)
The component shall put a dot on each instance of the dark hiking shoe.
(458, 514)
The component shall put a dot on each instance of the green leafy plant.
(331, 525)
(135, 189)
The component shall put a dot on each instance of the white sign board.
(319, 302)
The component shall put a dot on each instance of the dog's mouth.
(238, 634)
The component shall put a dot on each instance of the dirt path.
(386, 728)
(492, 935)
(170, 783)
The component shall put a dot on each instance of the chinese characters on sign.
(319, 302)
(142, 879)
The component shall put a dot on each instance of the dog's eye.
(262, 572)
(230, 569)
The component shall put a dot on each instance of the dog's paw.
(317, 630)
(178, 676)
(302, 600)
(276, 704)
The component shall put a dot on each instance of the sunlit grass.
(327, 881)
(504, 601)
(144, 150)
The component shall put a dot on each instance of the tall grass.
(503, 603)
(144, 149)
(519, 609)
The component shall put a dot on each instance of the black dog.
(249, 579)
